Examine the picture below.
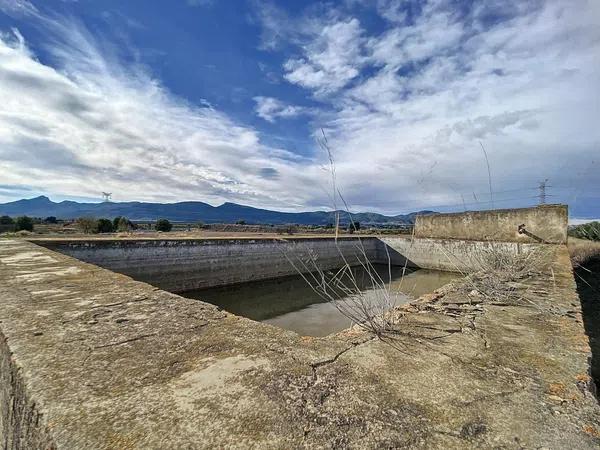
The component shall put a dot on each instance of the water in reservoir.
(290, 302)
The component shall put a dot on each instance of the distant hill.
(188, 212)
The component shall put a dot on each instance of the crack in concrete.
(126, 341)
(319, 364)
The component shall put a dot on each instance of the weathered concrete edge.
(22, 425)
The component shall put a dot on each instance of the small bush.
(50, 219)
(24, 223)
(104, 226)
(163, 225)
(241, 222)
(353, 226)
(7, 224)
(124, 224)
(87, 225)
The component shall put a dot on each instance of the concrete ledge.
(98, 360)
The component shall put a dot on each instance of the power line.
(542, 188)
(476, 203)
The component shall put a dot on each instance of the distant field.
(193, 230)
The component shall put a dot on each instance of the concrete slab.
(92, 359)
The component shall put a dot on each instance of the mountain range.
(43, 207)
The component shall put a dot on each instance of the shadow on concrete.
(395, 257)
(588, 287)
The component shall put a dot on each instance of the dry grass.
(583, 250)
(502, 276)
(364, 301)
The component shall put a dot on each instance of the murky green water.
(291, 303)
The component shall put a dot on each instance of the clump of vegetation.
(104, 226)
(287, 229)
(353, 226)
(24, 223)
(163, 225)
(123, 224)
(368, 309)
(590, 231)
(86, 225)
(241, 222)
(583, 251)
(51, 219)
(91, 225)
(500, 274)
(6, 224)
(115, 222)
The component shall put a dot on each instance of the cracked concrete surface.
(92, 359)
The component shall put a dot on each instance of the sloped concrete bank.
(98, 360)
(178, 265)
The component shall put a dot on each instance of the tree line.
(21, 223)
(118, 224)
(590, 230)
(88, 225)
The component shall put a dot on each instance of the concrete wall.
(181, 265)
(450, 255)
(543, 223)
(21, 425)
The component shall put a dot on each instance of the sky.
(236, 100)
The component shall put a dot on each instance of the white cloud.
(270, 108)
(90, 124)
(520, 76)
(17, 7)
(276, 26)
(392, 10)
(331, 60)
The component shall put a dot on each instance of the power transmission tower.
(106, 196)
(542, 187)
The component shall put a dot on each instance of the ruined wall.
(180, 265)
(543, 223)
